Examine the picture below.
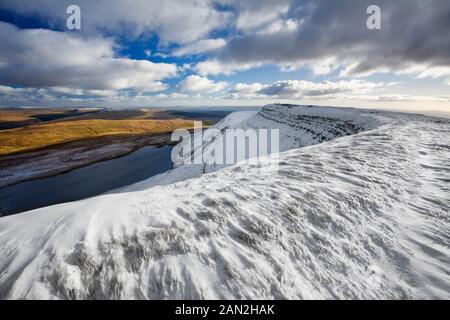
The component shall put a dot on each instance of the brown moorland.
(40, 135)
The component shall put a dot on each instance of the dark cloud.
(414, 32)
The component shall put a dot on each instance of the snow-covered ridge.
(362, 216)
(303, 125)
(298, 126)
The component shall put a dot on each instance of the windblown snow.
(358, 208)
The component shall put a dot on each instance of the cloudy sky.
(225, 52)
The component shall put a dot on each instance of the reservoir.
(87, 181)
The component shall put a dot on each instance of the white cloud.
(174, 96)
(412, 98)
(418, 71)
(247, 91)
(213, 67)
(53, 92)
(323, 67)
(216, 67)
(180, 21)
(197, 84)
(186, 67)
(292, 89)
(43, 58)
(433, 72)
(10, 91)
(198, 47)
(257, 14)
(280, 25)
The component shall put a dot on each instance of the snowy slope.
(361, 216)
(298, 126)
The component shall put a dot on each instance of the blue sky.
(225, 52)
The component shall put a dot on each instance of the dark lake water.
(85, 182)
(100, 177)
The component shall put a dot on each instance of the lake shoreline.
(87, 181)
(65, 157)
(76, 139)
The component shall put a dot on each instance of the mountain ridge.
(362, 216)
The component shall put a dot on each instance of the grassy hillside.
(11, 118)
(49, 133)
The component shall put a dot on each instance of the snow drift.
(362, 216)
